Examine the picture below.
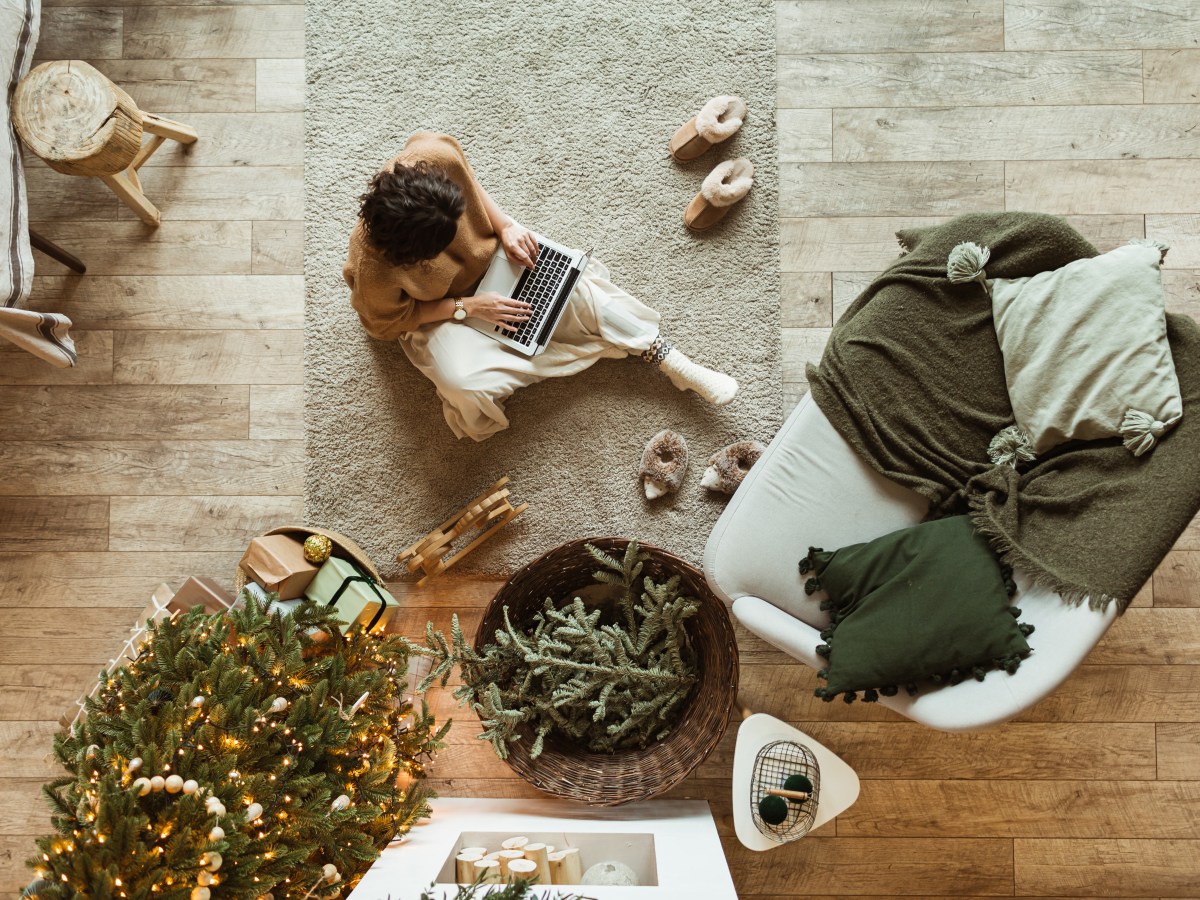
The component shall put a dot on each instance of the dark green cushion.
(928, 602)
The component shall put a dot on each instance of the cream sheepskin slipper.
(725, 185)
(718, 120)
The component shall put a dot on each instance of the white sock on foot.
(715, 387)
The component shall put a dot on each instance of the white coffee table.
(838, 787)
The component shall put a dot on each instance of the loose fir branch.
(609, 677)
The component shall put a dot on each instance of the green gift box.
(358, 598)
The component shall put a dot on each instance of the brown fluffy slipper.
(718, 120)
(725, 185)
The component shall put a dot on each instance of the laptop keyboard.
(539, 288)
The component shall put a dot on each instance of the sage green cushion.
(927, 602)
(1086, 344)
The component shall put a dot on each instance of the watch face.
(460, 314)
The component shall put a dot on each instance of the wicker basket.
(602, 779)
(342, 546)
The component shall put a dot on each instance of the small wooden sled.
(488, 513)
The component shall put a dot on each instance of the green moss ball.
(798, 783)
(773, 810)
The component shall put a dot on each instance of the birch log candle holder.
(487, 871)
(566, 867)
(506, 857)
(526, 869)
(464, 867)
(538, 854)
(515, 843)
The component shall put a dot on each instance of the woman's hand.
(509, 314)
(519, 244)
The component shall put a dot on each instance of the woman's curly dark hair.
(411, 213)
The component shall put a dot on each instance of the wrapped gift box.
(277, 562)
(203, 592)
(358, 598)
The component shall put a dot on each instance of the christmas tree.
(238, 757)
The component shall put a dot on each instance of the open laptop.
(547, 288)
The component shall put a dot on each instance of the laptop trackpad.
(502, 276)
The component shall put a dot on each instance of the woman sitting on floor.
(425, 236)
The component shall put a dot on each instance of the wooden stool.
(80, 123)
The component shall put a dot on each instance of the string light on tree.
(258, 698)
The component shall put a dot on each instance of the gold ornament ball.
(317, 548)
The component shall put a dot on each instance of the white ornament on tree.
(143, 786)
(157, 783)
(191, 786)
(253, 811)
(134, 764)
(198, 701)
(329, 870)
(216, 834)
(340, 802)
(212, 860)
(279, 704)
(204, 879)
(173, 784)
(201, 893)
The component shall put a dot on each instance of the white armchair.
(811, 488)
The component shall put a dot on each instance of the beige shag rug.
(564, 109)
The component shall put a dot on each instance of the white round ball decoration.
(134, 764)
(253, 811)
(329, 870)
(218, 810)
(143, 786)
(191, 786)
(234, 774)
(204, 879)
(610, 873)
(198, 701)
(279, 704)
(173, 784)
(201, 893)
(212, 861)
(157, 783)
(212, 800)
(340, 802)
(216, 834)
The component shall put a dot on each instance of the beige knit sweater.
(386, 296)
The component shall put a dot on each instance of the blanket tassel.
(965, 264)
(1011, 446)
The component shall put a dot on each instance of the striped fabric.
(42, 334)
(19, 21)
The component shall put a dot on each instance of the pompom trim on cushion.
(729, 182)
(720, 118)
(818, 559)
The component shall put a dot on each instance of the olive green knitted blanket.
(914, 380)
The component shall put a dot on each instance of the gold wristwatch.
(460, 311)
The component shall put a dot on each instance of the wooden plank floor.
(179, 435)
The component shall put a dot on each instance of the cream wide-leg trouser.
(474, 375)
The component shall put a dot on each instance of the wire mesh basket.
(775, 763)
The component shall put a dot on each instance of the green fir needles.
(609, 675)
(237, 758)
